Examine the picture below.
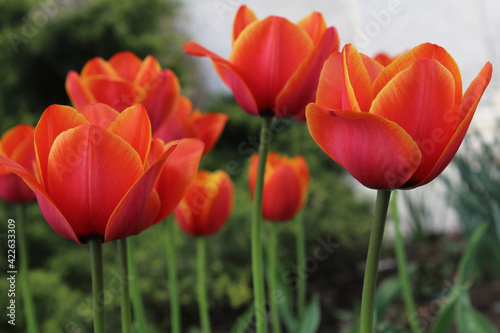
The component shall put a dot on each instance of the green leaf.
(387, 292)
(470, 320)
(469, 254)
(312, 317)
(444, 320)
(243, 321)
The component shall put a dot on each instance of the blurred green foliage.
(40, 42)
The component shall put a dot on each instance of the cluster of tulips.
(126, 155)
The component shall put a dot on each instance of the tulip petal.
(209, 127)
(422, 51)
(331, 82)
(98, 114)
(13, 189)
(357, 82)
(133, 126)
(98, 66)
(267, 54)
(314, 25)
(49, 210)
(375, 151)
(113, 91)
(89, 171)
(11, 139)
(282, 194)
(126, 64)
(230, 75)
(177, 174)
(55, 120)
(149, 69)
(420, 100)
(373, 67)
(162, 95)
(244, 16)
(77, 91)
(301, 87)
(470, 101)
(131, 215)
(219, 192)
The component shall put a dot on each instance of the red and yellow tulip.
(17, 144)
(398, 126)
(207, 204)
(186, 123)
(95, 176)
(274, 67)
(286, 185)
(123, 81)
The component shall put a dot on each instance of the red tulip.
(186, 123)
(206, 205)
(398, 126)
(177, 174)
(17, 144)
(95, 178)
(286, 185)
(123, 81)
(274, 67)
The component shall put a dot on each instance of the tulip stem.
(301, 261)
(29, 308)
(97, 285)
(257, 269)
(135, 291)
(271, 260)
(403, 272)
(202, 284)
(125, 293)
(175, 309)
(372, 260)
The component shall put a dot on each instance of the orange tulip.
(186, 123)
(124, 81)
(384, 59)
(206, 205)
(398, 126)
(95, 176)
(274, 67)
(17, 144)
(286, 185)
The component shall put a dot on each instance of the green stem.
(125, 293)
(202, 284)
(300, 240)
(97, 285)
(175, 309)
(272, 257)
(372, 259)
(135, 291)
(403, 272)
(257, 269)
(29, 307)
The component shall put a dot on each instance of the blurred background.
(41, 40)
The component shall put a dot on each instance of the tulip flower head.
(17, 144)
(207, 204)
(123, 81)
(274, 66)
(186, 123)
(396, 127)
(286, 185)
(95, 176)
